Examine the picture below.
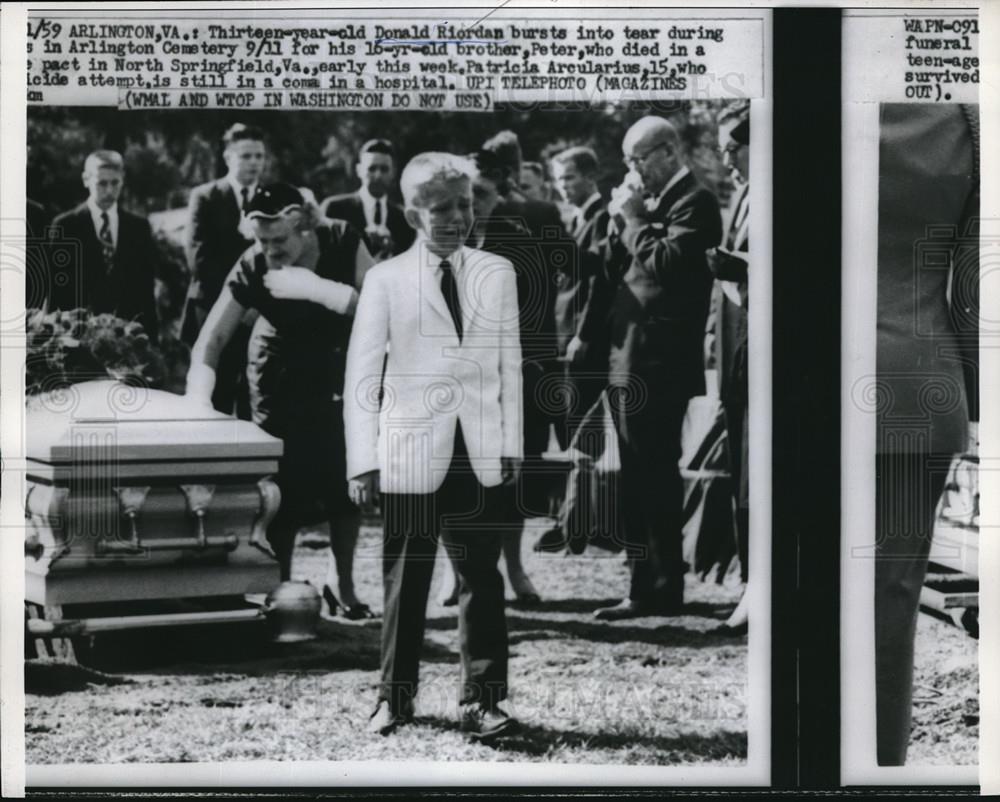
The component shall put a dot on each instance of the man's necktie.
(245, 195)
(449, 289)
(107, 243)
(377, 217)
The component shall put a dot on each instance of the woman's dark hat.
(274, 200)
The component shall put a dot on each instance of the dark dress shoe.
(551, 541)
(633, 609)
(384, 721)
(485, 724)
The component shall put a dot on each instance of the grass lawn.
(651, 691)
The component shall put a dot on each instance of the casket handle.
(198, 498)
(131, 499)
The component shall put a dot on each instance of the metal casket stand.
(134, 495)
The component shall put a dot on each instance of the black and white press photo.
(359, 434)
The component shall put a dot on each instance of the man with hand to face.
(656, 284)
(436, 435)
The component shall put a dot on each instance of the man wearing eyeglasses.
(657, 286)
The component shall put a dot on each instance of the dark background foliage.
(169, 152)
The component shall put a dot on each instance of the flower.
(65, 347)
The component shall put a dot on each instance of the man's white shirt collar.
(652, 203)
(96, 213)
(368, 202)
(456, 260)
(238, 190)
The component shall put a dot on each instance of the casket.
(137, 494)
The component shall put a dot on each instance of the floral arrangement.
(67, 347)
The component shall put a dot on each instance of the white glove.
(200, 384)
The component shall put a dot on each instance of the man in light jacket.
(436, 435)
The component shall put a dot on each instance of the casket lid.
(102, 420)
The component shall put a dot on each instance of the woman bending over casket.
(301, 279)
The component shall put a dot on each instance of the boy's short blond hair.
(431, 168)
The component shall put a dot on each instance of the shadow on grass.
(563, 605)
(47, 677)
(442, 622)
(246, 649)
(517, 611)
(687, 747)
(617, 632)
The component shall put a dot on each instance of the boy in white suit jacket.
(436, 435)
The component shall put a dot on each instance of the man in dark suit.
(370, 210)
(583, 351)
(544, 247)
(927, 350)
(729, 263)
(110, 252)
(214, 243)
(533, 260)
(540, 217)
(664, 221)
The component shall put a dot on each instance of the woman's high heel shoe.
(332, 602)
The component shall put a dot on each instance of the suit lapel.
(358, 212)
(91, 244)
(90, 260)
(429, 288)
(740, 224)
(396, 220)
(469, 272)
(121, 270)
(231, 203)
(590, 217)
(87, 226)
(124, 235)
(674, 194)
